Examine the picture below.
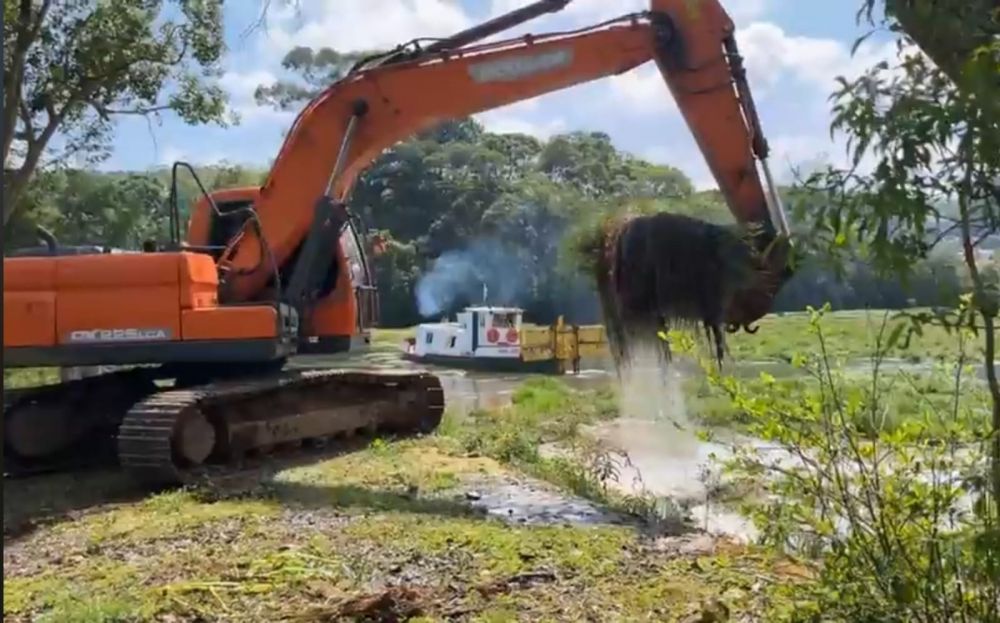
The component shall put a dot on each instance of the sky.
(793, 50)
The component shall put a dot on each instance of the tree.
(935, 135)
(932, 130)
(316, 71)
(72, 66)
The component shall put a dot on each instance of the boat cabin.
(476, 332)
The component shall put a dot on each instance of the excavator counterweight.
(266, 273)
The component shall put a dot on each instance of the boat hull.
(488, 364)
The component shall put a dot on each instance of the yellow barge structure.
(497, 339)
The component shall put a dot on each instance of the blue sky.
(793, 51)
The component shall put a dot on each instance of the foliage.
(456, 191)
(933, 134)
(119, 210)
(316, 69)
(889, 518)
(71, 67)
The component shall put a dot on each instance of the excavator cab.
(67, 309)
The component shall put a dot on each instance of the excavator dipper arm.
(343, 129)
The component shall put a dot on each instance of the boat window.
(503, 321)
(429, 338)
(482, 321)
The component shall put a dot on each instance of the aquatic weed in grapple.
(663, 271)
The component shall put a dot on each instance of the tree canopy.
(72, 66)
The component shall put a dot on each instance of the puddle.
(522, 501)
(464, 391)
(667, 461)
(670, 461)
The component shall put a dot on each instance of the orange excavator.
(201, 330)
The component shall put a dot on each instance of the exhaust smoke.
(463, 276)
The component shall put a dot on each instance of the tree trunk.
(987, 308)
(13, 187)
(991, 376)
(935, 27)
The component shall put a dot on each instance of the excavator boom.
(338, 134)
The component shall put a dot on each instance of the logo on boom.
(514, 68)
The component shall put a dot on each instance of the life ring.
(492, 335)
(512, 336)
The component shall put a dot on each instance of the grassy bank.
(391, 527)
(849, 335)
(931, 397)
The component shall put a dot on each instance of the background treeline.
(463, 209)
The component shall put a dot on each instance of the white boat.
(480, 337)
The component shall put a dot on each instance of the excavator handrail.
(252, 217)
(624, 20)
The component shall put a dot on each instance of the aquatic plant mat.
(665, 271)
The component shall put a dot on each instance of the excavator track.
(181, 435)
(67, 426)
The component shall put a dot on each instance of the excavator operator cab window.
(226, 225)
(355, 261)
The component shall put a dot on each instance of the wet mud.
(525, 501)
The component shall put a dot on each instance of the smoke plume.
(457, 277)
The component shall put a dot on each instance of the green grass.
(393, 337)
(315, 540)
(848, 334)
(904, 396)
(29, 377)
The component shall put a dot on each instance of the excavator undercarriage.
(173, 435)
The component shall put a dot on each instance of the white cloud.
(362, 24)
(642, 90)
(772, 54)
(583, 12)
(241, 86)
(513, 119)
(172, 153)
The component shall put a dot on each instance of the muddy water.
(666, 458)
(665, 461)
(464, 390)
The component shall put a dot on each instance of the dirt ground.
(410, 530)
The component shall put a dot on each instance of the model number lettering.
(118, 335)
(507, 69)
